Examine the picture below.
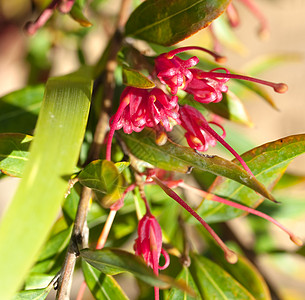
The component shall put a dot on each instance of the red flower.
(149, 244)
(207, 89)
(139, 108)
(200, 135)
(174, 71)
(195, 124)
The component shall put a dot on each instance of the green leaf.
(173, 157)
(103, 177)
(176, 294)
(39, 294)
(136, 79)
(289, 180)
(77, 13)
(113, 261)
(56, 244)
(168, 22)
(215, 283)
(267, 162)
(37, 281)
(102, 286)
(53, 156)
(19, 109)
(246, 274)
(14, 153)
(243, 271)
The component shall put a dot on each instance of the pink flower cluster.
(157, 109)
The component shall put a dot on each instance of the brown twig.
(79, 238)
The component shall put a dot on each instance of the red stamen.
(117, 116)
(278, 87)
(250, 210)
(213, 133)
(218, 58)
(230, 256)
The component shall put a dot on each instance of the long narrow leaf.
(53, 155)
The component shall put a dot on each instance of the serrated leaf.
(168, 22)
(38, 294)
(136, 79)
(104, 179)
(173, 157)
(215, 283)
(14, 153)
(113, 261)
(267, 162)
(53, 156)
(176, 294)
(102, 286)
(19, 109)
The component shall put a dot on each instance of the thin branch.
(80, 234)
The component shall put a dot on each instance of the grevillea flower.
(140, 107)
(174, 71)
(64, 6)
(200, 135)
(149, 244)
(207, 89)
(230, 256)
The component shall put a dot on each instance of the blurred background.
(25, 60)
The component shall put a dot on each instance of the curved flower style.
(200, 135)
(174, 71)
(139, 108)
(207, 89)
(149, 244)
(195, 124)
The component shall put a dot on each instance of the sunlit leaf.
(168, 22)
(267, 162)
(53, 156)
(38, 294)
(174, 157)
(244, 272)
(37, 281)
(215, 283)
(176, 294)
(102, 286)
(77, 13)
(136, 79)
(14, 153)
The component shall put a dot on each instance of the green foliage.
(54, 221)
(169, 22)
(54, 154)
